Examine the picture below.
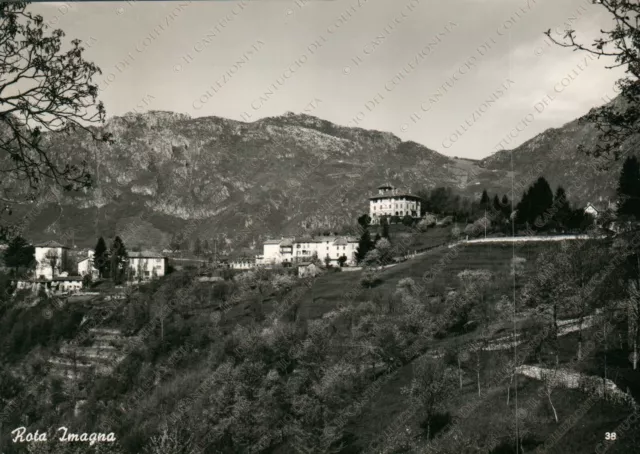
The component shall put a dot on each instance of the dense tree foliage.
(628, 190)
(535, 203)
(19, 254)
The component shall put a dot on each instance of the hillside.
(308, 364)
(278, 175)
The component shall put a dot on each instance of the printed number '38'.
(610, 436)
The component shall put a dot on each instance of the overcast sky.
(380, 64)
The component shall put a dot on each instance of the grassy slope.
(389, 403)
(330, 288)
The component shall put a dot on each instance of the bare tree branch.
(614, 123)
(43, 88)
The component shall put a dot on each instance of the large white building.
(52, 259)
(146, 265)
(291, 250)
(392, 202)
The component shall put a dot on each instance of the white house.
(52, 258)
(146, 265)
(590, 209)
(277, 251)
(392, 202)
(86, 267)
(597, 209)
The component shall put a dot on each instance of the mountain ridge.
(220, 173)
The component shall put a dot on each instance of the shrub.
(369, 279)
(430, 220)
(372, 257)
(282, 281)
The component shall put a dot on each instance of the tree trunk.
(635, 313)
(509, 389)
(478, 369)
(460, 371)
(580, 338)
(555, 414)
(555, 333)
(604, 378)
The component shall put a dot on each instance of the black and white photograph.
(320, 226)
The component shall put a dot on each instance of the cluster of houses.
(57, 271)
(389, 201)
(290, 252)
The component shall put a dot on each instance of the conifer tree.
(118, 260)
(364, 245)
(197, 247)
(506, 205)
(18, 254)
(496, 204)
(535, 205)
(485, 200)
(385, 228)
(101, 258)
(562, 208)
